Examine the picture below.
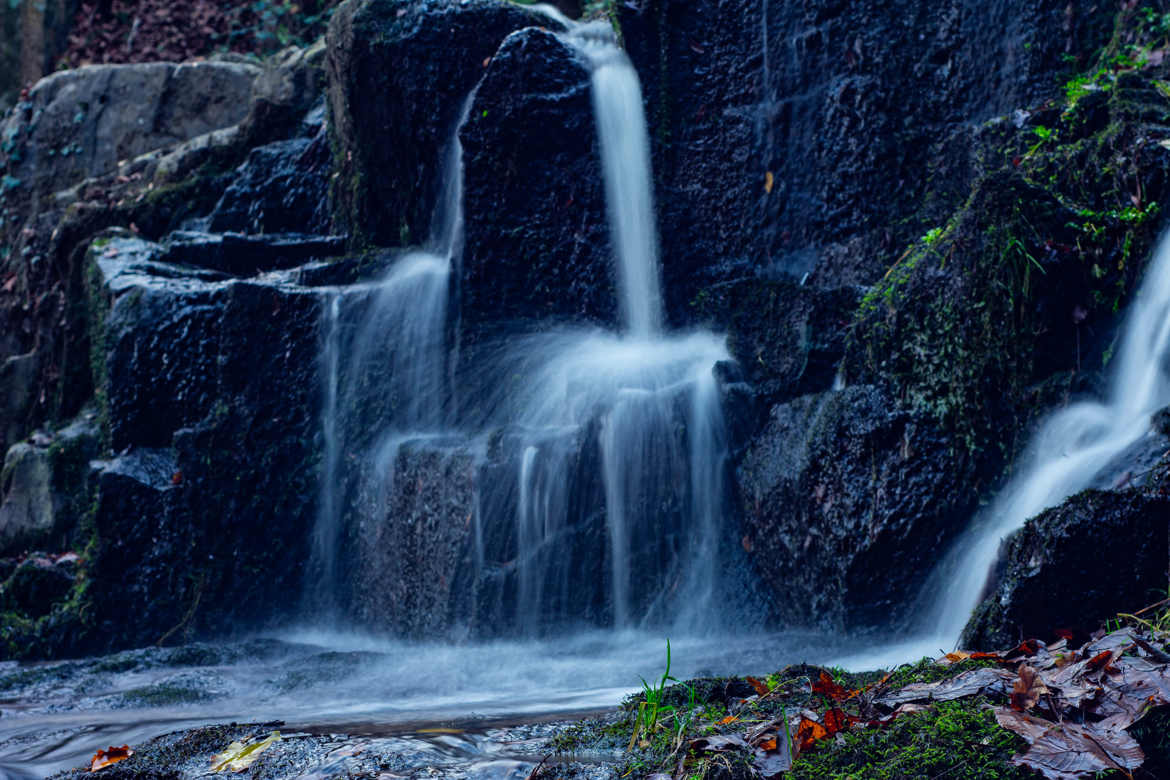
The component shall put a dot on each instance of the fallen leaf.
(728, 719)
(1067, 751)
(240, 755)
(808, 733)
(758, 685)
(1028, 689)
(718, 743)
(769, 181)
(103, 758)
(835, 720)
(976, 681)
(829, 687)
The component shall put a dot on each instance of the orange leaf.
(985, 657)
(769, 182)
(1027, 689)
(103, 758)
(728, 719)
(808, 733)
(828, 687)
(768, 744)
(760, 687)
(1028, 647)
(1099, 661)
(956, 656)
(835, 720)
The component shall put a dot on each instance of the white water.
(640, 408)
(1069, 454)
(625, 155)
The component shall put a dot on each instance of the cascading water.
(1076, 448)
(394, 371)
(615, 442)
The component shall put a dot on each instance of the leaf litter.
(1072, 707)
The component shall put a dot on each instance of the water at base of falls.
(56, 715)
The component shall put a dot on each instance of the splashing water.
(1076, 448)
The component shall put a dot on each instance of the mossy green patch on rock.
(1027, 278)
(952, 739)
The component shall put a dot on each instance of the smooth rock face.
(1074, 566)
(79, 123)
(844, 496)
(27, 511)
(537, 239)
(398, 73)
(44, 488)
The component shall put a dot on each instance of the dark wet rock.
(291, 83)
(247, 255)
(787, 338)
(844, 495)
(211, 384)
(398, 73)
(282, 187)
(44, 490)
(537, 242)
(140, 534)
(857, 110)
(38, 582)
(79, 123)
(1074, 566)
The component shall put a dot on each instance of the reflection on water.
(55, 715)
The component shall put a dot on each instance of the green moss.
(953, 739)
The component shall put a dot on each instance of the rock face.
(844, 496)
(802, 137)
(196, 368)
(399, 72)
(1073, 566)
(537, 242)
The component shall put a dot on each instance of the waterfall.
(1071, 452)
(625, 156)
(614, 442)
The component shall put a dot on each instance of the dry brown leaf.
(1068, 751)
(1028, 689)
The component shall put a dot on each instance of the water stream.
(1084, 445)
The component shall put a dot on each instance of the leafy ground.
(1100, 710)
(118, 31)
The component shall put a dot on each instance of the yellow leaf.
(769, 180)
(240, 755)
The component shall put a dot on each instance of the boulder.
(844, 495)
(210, 386)
(44, 488)
(1074, 566)
(537, 243)
(38, 582)
(18, 395)
(788, 339)
(399, 72)
(78, 124)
